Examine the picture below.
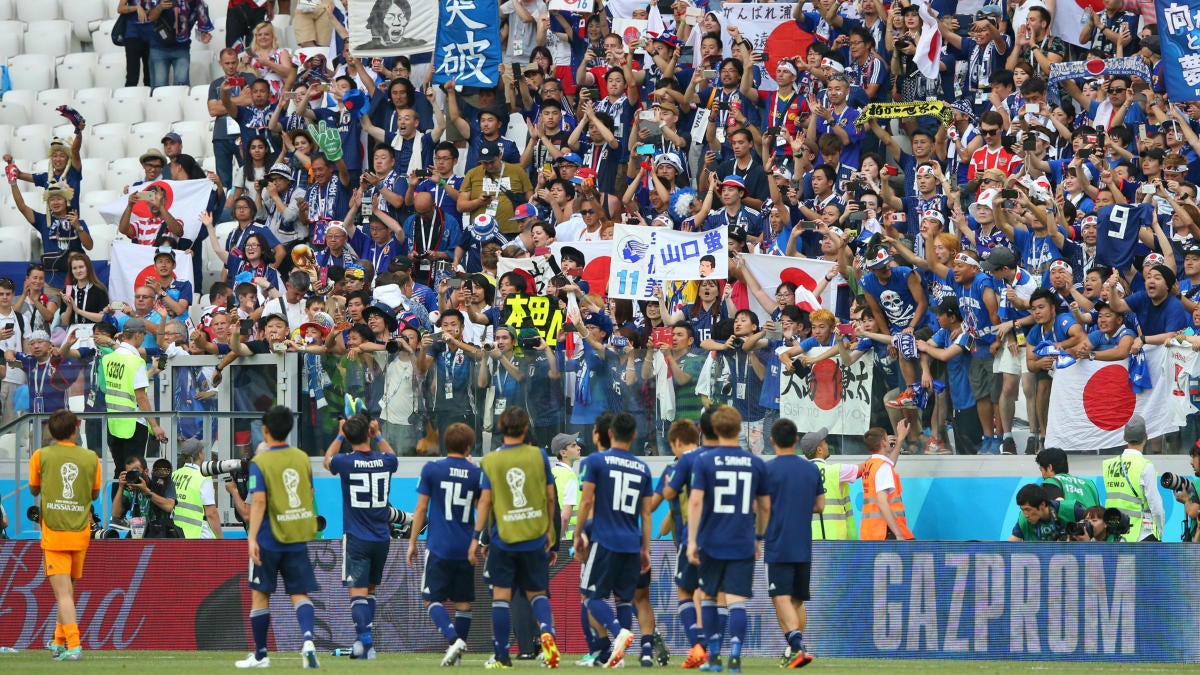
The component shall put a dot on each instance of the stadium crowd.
(1009, 221)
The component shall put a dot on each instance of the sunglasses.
(1116, 91)
(989, 132)
(588, 212)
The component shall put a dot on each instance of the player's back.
(678, 477)
(366, 479)
(621, 482)
(452, 485)
(793, 483)
(731, 479)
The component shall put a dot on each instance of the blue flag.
(468, 43)
(1179, 35)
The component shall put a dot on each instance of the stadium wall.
(1078, 602)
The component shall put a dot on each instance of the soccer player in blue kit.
(727, 512)
(366, 477)
(616, 495)
(447, 491)
(796, 488)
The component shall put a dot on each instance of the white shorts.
(1008, 363)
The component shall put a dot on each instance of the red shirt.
(985, 159)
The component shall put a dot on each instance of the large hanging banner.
(643, 255)
(184, 199)
(830, 394)
(767, 270)
(1100, 390)
(380, 28)
(131, 264)
(1179, 33)
(468, 43)
(595, 265)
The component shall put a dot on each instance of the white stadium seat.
(122, 172)
(75, 70)
(166, 107)
(11, 218)
(6, 132)
(107, 141)
(31, 71)
(12, 38)
(103, 235)
(93, 171)
(38, 10)
(63, 131)
(45, 108)
(102, 37)
(110, 72)
(22, 97)
(15, 244)
(179, 90)
(84, 13)
(146, 135)
(31, 142)
(195, 108)
(98, 198)
(200, 70)
(49, 37)
(14, 114)
(197, 137)
(92, 104)
(128, 104)
(39, 166)
(7, 11)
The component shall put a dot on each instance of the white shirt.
(294, 313)
(885, 478)
(13, 375)
(569, 230)
(1148, 488)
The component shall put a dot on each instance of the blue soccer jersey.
(1117, 229)
(621, 481)
(731, 479)
(793, 483)
(452, 485)
(366, 483)
(679, 476)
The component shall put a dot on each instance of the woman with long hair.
(270, 62)
(85, 298)
(708, 309)
(254, 256)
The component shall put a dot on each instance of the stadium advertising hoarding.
(991, 601)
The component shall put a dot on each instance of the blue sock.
(542, 613)
(687, 619)
(501, 625)
(304, 616)
(604, 615)
(371, 612)
(441, 619)
(723, 621)
(647, 645)
(737, 627)
(360, 611)
(625, 615)
(795, 639)
(712, 625)
(260, 623)
(462, 624)
(586, 624)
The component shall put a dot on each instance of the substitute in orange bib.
(66, 478)
(883, 506)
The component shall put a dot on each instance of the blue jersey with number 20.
(366, 483)
(731, 479)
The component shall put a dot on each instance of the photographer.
(1059, 484)
(1131, 488)
(1096, 527)
(543, 388)
(1042, 518)
(401, 408)
(501, 377)
(1190, 499)
(197, 502)
(144, 496)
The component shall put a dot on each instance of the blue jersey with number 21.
(731, 479)
(366, 483)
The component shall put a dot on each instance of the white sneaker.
(308, 655)
(624, 639)
(252, 661)
(454, 653)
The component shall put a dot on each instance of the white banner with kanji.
(828, 394)
(131, 264)
(643, 256)
(184, 199)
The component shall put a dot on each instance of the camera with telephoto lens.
(217, 467)
(401, 522)
(34, 514)
(1115, 522)
(1174, 482)
(737, 342)
(489, 346)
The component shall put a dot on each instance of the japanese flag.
(772, 270)
(1091, 401)
(929, 47)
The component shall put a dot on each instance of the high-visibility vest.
(118, 369)
(837, 521)
(1121, 476)
(189, 507)
(563, 476)
(874, 527)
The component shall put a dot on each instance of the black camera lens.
(134, 476)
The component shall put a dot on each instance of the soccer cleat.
(696, 657)
(55, 649)
(252, 661)
(358, 651)
(735, 664)
(308, 655)
(498, 664)
(623, 641)
(647, 661)
(454, 653)
(662, 655)
(588, 660)
(550, 654)
(712, 665)
(799, 659)
(73, 654)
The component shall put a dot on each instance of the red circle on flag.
(143, 276)
(595, 273)
(1108, 399)
(1094, 66)
(787, 41)
(826, 384)
(142, 210)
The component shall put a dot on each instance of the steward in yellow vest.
(837, 521)
(1131, 486)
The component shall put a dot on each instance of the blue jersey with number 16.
(621, 481)
(452, 485)
(366, 483)
(731, 479)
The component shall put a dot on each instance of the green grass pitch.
(181, 663)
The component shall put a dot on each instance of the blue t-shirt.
(535, 544)
(266, 538)
(1167, 317)
(1101, 342)
(1117, 230)
(731, 479)
(974, 311)
(957, 368)
(452, 485)
(58, 234)
(1059, 330)
(621, 482)
(793, 483)
(366, 483)
(894, 298)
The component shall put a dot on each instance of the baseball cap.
(172, 136)
(666, 105)
(734, 180)
(132, 325)
(569, 158)
(281, 170)
(488, 151)
(561, 441)
(584, 175)
(810, 441)
(672, 159)
(600, 321)
(164, 251)
(524, 211)
(1001, 256)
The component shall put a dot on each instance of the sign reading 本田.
(1179, 35)
(468, 43)
(643, 256)
(539, 311)
(830, 394)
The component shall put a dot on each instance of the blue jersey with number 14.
(620, 481)
(452, 485)
(1117, 229)
(366, 483)
(731, 479)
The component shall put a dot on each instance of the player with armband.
(366, 477)
(446, 496)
